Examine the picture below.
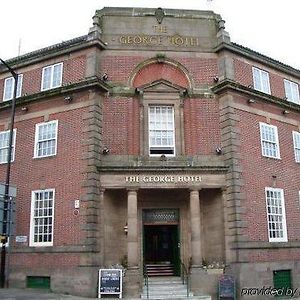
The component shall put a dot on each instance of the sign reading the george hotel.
(132, 31)
(163, 179)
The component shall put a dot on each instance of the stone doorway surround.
(135, 183)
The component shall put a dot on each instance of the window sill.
(41, 157)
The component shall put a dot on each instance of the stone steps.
(168, 288)
(160, 270)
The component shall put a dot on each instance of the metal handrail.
(146, 280)
(185, 277)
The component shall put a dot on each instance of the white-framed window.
(269, 140)
(42, 217)
(161, 130)
(261, 80)
(9, 85)
(45, 139)
(52, 76)
(277, 230)
(291, 91)
(4, 143)
(296, 141)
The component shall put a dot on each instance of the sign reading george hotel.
(158, 39)
(163, 179)
(144, 33)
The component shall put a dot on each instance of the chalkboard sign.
(226, 287)
(110, 282)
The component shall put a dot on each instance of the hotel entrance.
(161, 243)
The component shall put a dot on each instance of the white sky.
(270, 27)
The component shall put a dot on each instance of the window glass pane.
(19, 86)
(265, 82)
(8, 88)
(4, 144)
(57, 75)
(296, 138)
(46, 78)
(256, 77)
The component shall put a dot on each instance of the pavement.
(35, 294)
(39, 294)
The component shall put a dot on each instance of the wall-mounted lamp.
(68, 99)
(24, 108)
(219, 150)
(250, 86)
(285, 112)
(251, 101)
(105, 151)
(105, 76)
(216, 79)
(125, 228)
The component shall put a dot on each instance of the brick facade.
(103, 139)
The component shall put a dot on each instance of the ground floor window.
(42, 214)
(276, 215)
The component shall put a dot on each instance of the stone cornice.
(256, 56)
(229, 85)
(167, 168)
(121, 163)
(142, 12)
(92, 82)
(127, 91)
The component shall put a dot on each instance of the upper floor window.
(4, 143)
(296, 140)
(161, 130)
(42, 218)
(261, 80)
(9, 85)
(52, 76)
(45, 139)
(269, 140)
(291, 91)
(276, 215)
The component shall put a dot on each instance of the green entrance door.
(161, 245)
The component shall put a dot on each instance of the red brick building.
(153, 140)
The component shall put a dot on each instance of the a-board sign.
(226, 287)
(110, 282)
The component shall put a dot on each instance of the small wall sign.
(21, 239)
